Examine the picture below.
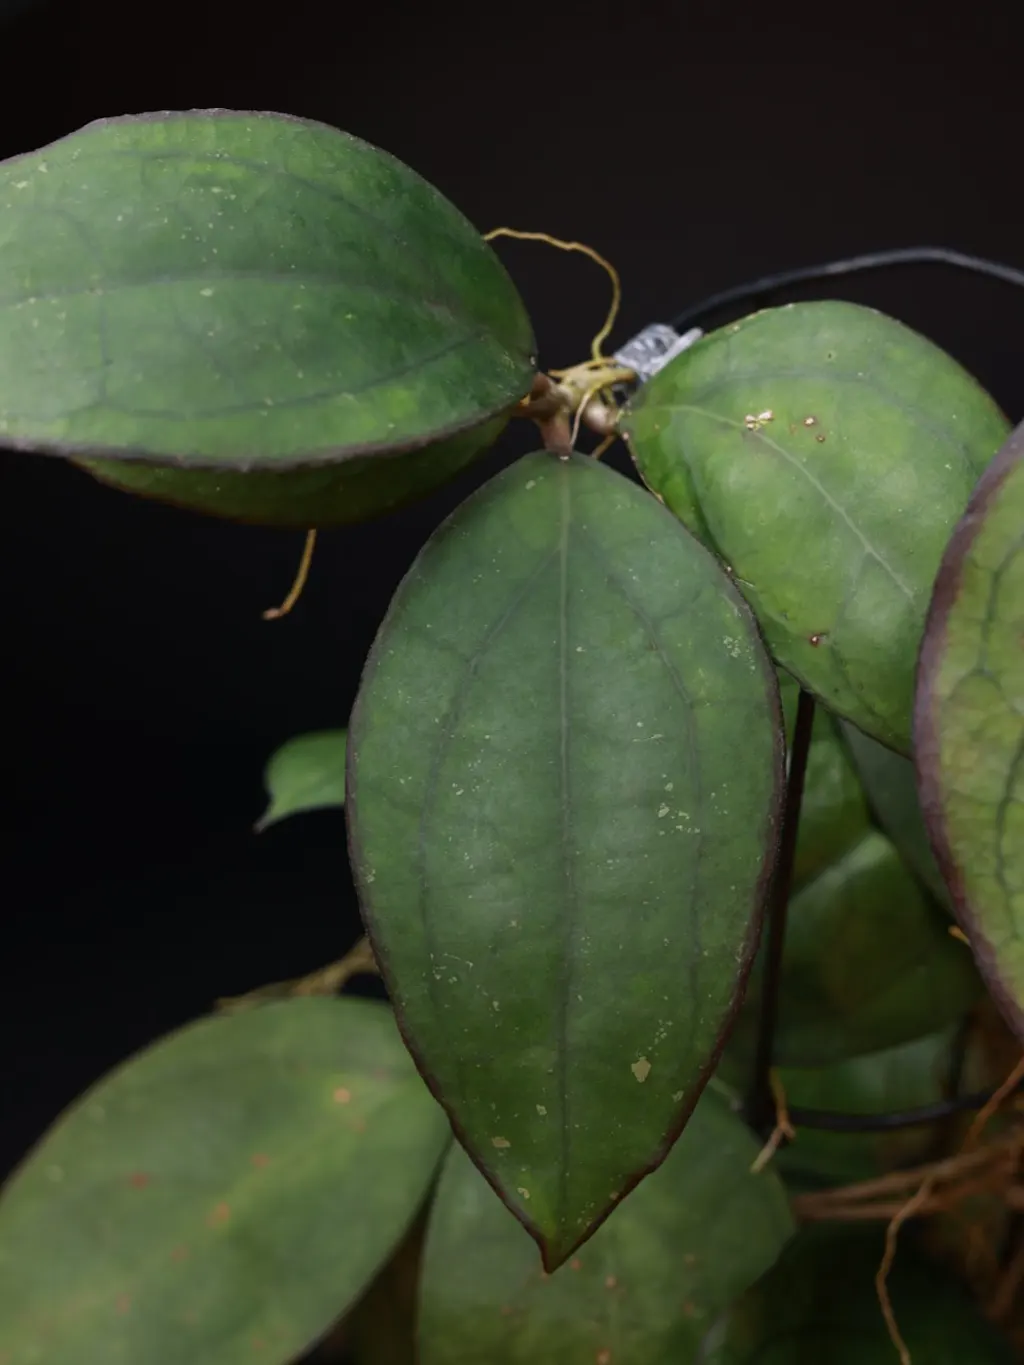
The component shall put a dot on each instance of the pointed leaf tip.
(306, 773)
(565, 768)
(669, 1259)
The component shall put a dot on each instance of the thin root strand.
(295, 592)
(613, 275)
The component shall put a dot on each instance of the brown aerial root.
(584, 391)
(602, 336)
(920, 1192)
(992, 1104)
(987, 1170)
(990, 1169)
(301, 575)
(783, 1130)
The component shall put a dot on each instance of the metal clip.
(651, 350)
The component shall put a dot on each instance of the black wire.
(761, 1102)
(757, 290)
(828, 1120)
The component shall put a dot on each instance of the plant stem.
(327, 980)
(760, 1107)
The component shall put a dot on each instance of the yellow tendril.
(613, 275)
(295, 592)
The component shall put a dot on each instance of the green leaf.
(355, 488)
(969, 730)
(563, 787)
(676, 1252)
(893, 1080)
(818, 1306)
(891, 786)
(869, 963)
(824, 452)
(222, 1197)
(307, 773)
(251, 315)
(382, 1328)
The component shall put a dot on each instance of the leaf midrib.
(815, 483)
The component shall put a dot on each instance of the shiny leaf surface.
(825, 452)
(249, 314)
(564, 771)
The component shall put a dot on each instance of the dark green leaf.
(674, 1254)
(222, 1197)
(825, 452)
(891, 786)
(869, 963)
(307, 773)
(819, 1306)
(969, 730)
(188, 297)
(897, 1079)
(564, 770)
(356, 488)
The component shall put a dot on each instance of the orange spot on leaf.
(179, 1254)
(260, 1160)
(689, 1309)
(342, 1096)
(258, 1343)
(604, 1358)
(506, 1310)
(122, 1304)
(219, 1216)
(610, 1282)
(358, 1125)
(575, 1263)
(139, 1180)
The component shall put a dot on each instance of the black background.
(694, 144)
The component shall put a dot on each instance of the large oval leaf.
(818, 1306)
(222, 1197)
(825, 452)
(969, 727)
(890, 783)
(564, 768)
(868, 964)
(677, 1251)
(194, 303)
